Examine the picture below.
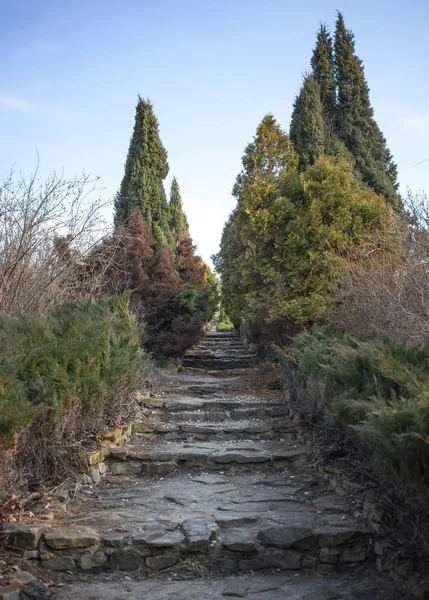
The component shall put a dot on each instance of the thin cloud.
(15, 103)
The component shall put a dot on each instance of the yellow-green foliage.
(86, 350)
(280, 247)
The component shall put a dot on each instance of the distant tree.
(145, 169)
(307, 128)
(355, 123)
(178, 222)
(323, 66)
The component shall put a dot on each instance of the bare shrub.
(46, 230)
(384, 289)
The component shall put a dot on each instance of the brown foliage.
(385, 291)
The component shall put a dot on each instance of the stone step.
(266, 586)
(237, 406)
(218, 364)
(240, 524)
(225, 429)
(162, 458)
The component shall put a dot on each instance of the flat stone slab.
(83, 537)
(257, 587)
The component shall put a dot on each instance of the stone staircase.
(214, 483)
(220, 351)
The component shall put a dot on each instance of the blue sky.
(71, 72)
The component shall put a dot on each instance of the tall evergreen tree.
(178, 222)
(145, 169)
(307, 129)
(322, 63)
(355, 122)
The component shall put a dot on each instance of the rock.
(199, 535)
(236, 590)
(59, 563)
(119, 453)
(158, 468)
(144, 427)
(357, 553)
(25, 537)
(92, 561)
(94, 473)
(240, 457)
(169, 539)
(272, 559)
(21, 578)
(9, 593)
(166, 428)
(234, 519)
(72, 538)
(240, 540)
(331, 536)
(29, 554)
(153, 402)
(125, 468)
(286, 537)
(161, 562)
(329, 555)
(113, 540)
(126, 560)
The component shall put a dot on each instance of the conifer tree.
(145, 169)
(178, 222)
(322, 63)
(307, 128)
(355, 123)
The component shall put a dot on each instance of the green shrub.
(379, 388)
(85, 351)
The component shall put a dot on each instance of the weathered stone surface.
(84, 537)
(272, 559)
(94, 473)
(125, 468)
(240, 457)
(170, 539)
(240, 540)
(30, 554)
(93, 561)
(21, 578)
(355, 553)
(199, 535)
(161, 562)
(286, 537)
(9, 593)
(25, 537)
(236, 590)
(113, 540)
(158, 468)
(330, 556)
(126, 560)
(119, 453)
(331, 536)
(59, 563)
(153, 402)
(144, 427)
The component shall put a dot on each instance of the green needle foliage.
(307, 128)
(323, 66)
(146, 168)
(80, 354)
(355, 123)
(178, 222)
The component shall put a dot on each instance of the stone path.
(214, 497)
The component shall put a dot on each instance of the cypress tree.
(145, 169)
(178, 222)
(307, 128)
(355, 123)
(322, 63)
